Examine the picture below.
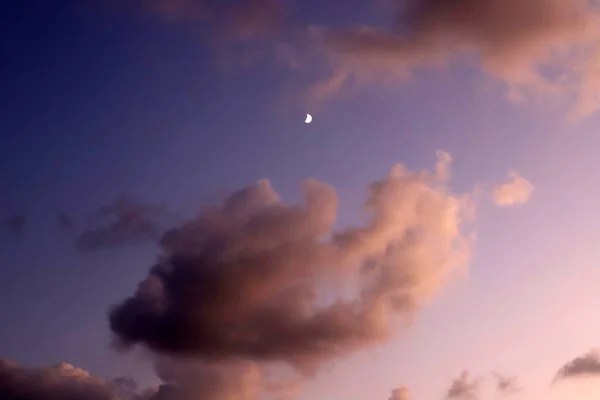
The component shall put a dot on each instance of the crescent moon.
(308, 118)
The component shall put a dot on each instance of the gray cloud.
(258, 280)
(463, 388)
(506, 385)
(127, 223)
(584, 366)
(65, 221)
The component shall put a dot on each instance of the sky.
(174, 230)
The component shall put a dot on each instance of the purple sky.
(98, 104)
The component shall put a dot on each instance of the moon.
(308, 119)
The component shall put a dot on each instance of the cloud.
(60, 382)
(401, 393)
(64, 382)
(255, 279)
(536, 47)
(463, 388)
(506, 385)
(128, 223)
(65, 221)
(124, 387)
(585, 366)
(16, 224)
(190, 379)
(234, 19)
(517, 191)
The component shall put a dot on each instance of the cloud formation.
(535, 48)
(127, 223)
(60, 382)
(463, 388)
(517, 190)
(522, 44)
(259, 280)
(584, 366)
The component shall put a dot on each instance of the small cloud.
(128, 223)
(16, 224)
(64, 221)
(506, 385)
(581, 367)
(517, 191)
(400, 393)
(463, 388)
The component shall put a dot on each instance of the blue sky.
(99, 104)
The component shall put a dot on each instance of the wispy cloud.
(125, 222)
(514, 42)
(464, 388)
(239, 19)
(16, 224)
(65, 221)
(506, 385)
(536, 49)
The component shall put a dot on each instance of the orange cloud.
(60, 382)
(517, 191)
(259, 280)
(536, 47)
(401, 393)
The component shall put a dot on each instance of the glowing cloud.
(517, 191)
